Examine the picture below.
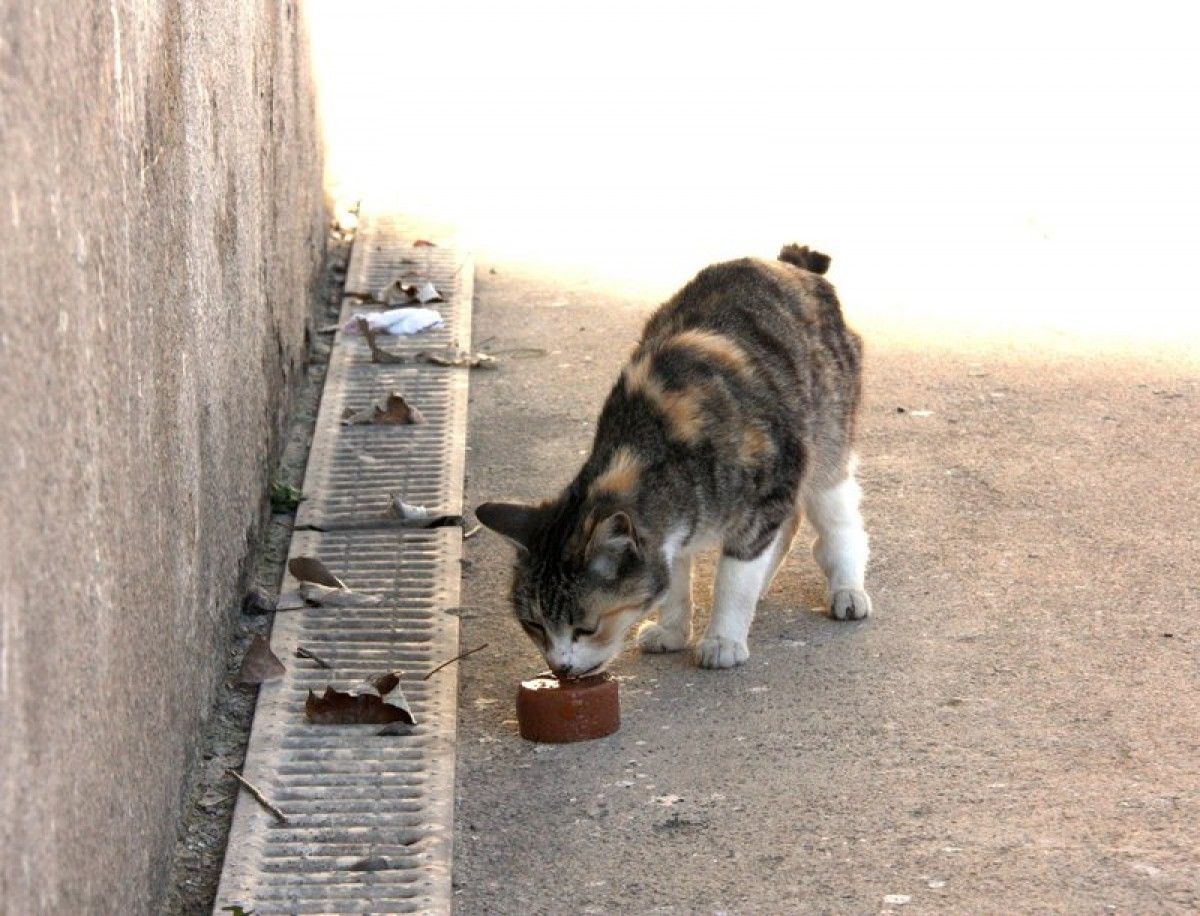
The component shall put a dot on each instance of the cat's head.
(582, 579)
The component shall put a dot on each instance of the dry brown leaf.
(408, 290)
(392, 410)
(397, 293)
(424, 243)
(310, 569)
(260, 663)
(376, 701)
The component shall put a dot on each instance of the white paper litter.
(396, 321)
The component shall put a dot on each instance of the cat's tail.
(805, 259)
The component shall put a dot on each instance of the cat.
(732, 419)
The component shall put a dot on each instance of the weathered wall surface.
(161, 222)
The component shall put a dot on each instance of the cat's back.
(783, 314)
(742, 380)
(774, 302)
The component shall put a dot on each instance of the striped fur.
(744, 386)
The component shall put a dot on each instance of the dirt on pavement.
(1014, 730)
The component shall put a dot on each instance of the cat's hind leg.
(841, 548)
(674, 627)
(783, 544)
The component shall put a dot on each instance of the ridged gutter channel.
(370, 818)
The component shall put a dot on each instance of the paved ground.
(1016, 730)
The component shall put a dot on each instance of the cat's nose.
(560, 670)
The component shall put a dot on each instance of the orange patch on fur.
(755, 444)
(637, 375)
(622, 474)
(682, 409)
(715, 347)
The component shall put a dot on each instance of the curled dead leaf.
(424, 243)
(260, 663)
(376, 701)
(408, 512)
(395, 293)
(310, 569)
(392, 409)
(419, 516)
(406, 291)
(398, 410)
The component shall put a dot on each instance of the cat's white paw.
(849, 604)
(719, 652)
(654, 637)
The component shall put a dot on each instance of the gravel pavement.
(1016, 729)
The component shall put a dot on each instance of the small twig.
(451, 661)
(258, 796)
(467, 535)
(462, 612)
(378, 354)
(302, 652)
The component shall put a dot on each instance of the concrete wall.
(161, 226)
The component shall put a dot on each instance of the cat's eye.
(533, 628)
(582, 631)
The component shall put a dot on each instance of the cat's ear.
(513, 520)
(613, 543)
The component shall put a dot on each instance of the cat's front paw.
(654, 637)
(849, 604)
(719, 652)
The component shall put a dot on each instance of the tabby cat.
(733, 418)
